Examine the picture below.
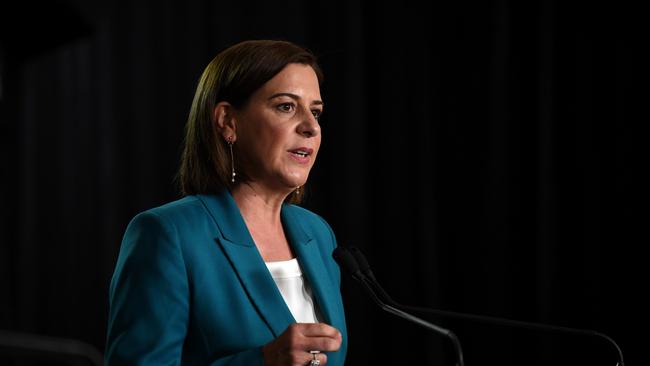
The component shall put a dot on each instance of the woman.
(233, 273)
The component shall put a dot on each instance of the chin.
(293, 181)
(294, 185)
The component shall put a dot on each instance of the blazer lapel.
(239, 247)
(313, 267)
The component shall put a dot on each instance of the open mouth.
(301, 152)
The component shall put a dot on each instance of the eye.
(317, 113)
(286, 107)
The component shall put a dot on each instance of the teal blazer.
(191, 288)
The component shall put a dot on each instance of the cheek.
(272, 144)
(264, 138)
(317, 145)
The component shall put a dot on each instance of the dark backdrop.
(480, 154)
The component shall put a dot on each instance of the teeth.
(300, 153)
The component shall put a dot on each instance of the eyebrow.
(294, 96)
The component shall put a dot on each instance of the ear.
(223, 117)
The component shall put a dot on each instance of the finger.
(324, 344)
(319, 330)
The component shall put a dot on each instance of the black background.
(482, 154)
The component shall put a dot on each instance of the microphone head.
(346, 260)
(363, 263)
(360, 258)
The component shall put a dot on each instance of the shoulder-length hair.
(232, 76)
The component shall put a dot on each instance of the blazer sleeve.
(149, 300)
(148, 296)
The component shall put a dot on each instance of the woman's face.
(277, 132)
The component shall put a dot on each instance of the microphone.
(364, 268)
(347, 260)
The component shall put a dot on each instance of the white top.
(294, 289)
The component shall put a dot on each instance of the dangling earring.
(232, 160)
(297, 190)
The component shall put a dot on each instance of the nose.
(309, 126)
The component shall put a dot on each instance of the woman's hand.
(292, 347)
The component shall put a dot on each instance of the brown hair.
(232, 76)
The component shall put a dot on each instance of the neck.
(256, 202)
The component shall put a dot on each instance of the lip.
(303, 159)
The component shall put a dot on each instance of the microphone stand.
(345, 258)
(518, 324)
(393, 310)
(370, 278)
